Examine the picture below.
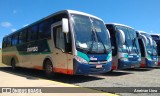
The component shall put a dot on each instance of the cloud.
(6, 24)
(13, 30)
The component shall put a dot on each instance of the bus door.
(59, 54)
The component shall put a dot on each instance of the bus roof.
(73, 12)
(86, 14)
(154, 34)
(119, 25)
(141, 31)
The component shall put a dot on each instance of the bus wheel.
(48, 69)
(13, 64)
(111, 71)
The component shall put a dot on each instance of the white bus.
(125, 47)
(148, 47)
(67, 41)
(156, 37)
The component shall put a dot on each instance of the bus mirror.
(65, 27)
(122, 36)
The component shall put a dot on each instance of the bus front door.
(60, 56)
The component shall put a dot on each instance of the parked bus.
(148, 47)
(68, 42)
(125, 47)
(156, 37)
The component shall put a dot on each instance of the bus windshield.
(154, 48)
(131, 43)
(156, 38)
(90, 34)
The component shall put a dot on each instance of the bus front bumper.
(85, 69)
(128, 64)
(150, 63)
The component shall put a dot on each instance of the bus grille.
(97, 62)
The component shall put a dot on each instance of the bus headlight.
(149, 58)
(139, 59)
(80, 60)
(124, 59)
(110, 59)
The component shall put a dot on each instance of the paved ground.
(142, 77)
(34, 78)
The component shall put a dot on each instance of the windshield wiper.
(93, 39)
(105, 50)
(128, 47)
(83, 49)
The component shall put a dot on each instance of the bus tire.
(48, 69)
(13, 64)
(111, 71)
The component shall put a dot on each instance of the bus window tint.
(9, 41)
(32, 33)
(60, 38)
(45, 30)
(22, 37)
(4, 42)
(15, 39)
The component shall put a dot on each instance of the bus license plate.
(98, 66)
(132, 66)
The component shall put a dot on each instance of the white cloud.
(6, 24)
(25, 25)
(13, 30)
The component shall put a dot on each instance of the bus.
(148, 47)
(156, 37)
(68, 42)
(125, 48)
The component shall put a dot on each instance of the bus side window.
(15, 39)
(4, 42)
(9, 43)
(22, 37)
(32, 33)
(45, 29)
